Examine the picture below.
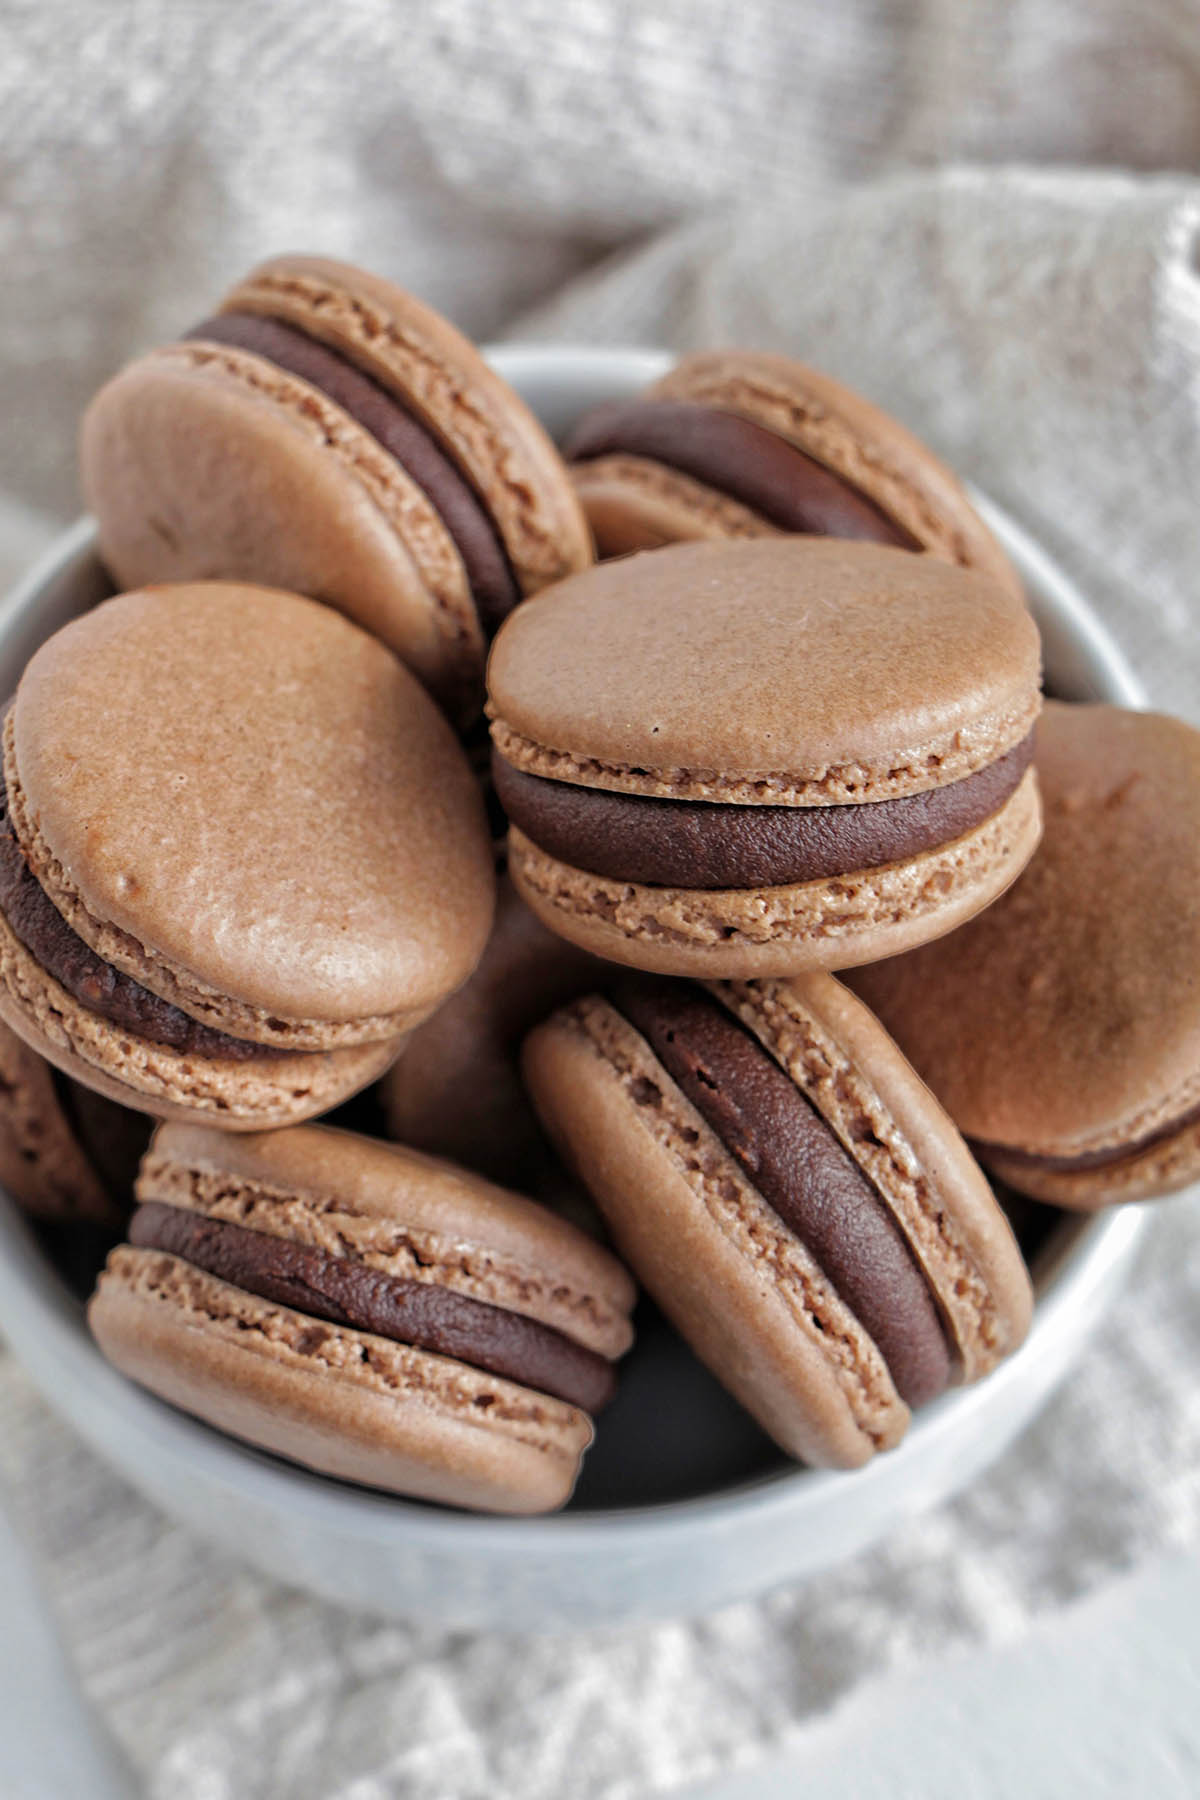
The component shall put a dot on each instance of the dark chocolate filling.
(746, 461)
(1087, 1159)
(801, 1170)
(419, 1313)
(707, 845)
(37, 923)
(493, 585)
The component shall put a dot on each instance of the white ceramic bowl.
(683, 1504)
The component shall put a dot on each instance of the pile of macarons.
(650, 859)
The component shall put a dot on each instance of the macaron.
(742, 443)
(241, 854)
(455, 1090)
(66, 1154)
(1061, 1029)
(758, 757)
(366, 1311)
(326, 432)
(791, 1195)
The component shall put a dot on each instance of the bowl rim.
(33, 1298)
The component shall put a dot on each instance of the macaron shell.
(855, 439)
(307, 795)
(394, 1204)
(469, 1047)
(201, 462)
(41, 1164)
(635, 504)
(677, 673)
(238, 1096)
(1164, 1167)
(828, 924)
(843, 1060)
(343, 1402)
(720, 1263)
(440, 376)
(1066, 1019)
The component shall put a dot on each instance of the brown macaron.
(792, 1196)
(754, 758)
(1061, 1029)
(241, 853)
(742, 443)
(66, 1154)
(327, 433)
(368, 1312)
(455, 1089)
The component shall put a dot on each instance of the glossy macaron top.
(411, 351)
(234, 794)
(1065, 1020)
(795, 671)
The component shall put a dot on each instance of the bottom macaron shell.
(1163, 1167)
(238, 1096)
(635, 504)
(746, 1294)
(833, 923)
(343, 1402)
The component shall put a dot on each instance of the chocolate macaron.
(742, 443)
(327, 433)
(241, 854)
(455, 1089)
(1061, 1029)
(66, 1154)
(754, 758)
(792, 1196)
(367, 1311)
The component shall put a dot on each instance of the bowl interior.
(672, 1439)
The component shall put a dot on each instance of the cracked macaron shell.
(216, 775)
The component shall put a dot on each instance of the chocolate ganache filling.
(801, 1170)
(1087, 1159)
(36, 923)
(493, 585)
(706, 845)
(345, 1292)
(745, 461)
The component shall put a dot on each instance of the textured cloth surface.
(984, 218)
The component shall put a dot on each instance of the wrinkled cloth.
(986, 219)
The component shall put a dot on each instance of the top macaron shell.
(790, 672)
(235, 790)
(1064, 1022)
(840, 430)
(204, 460)
(658, 721)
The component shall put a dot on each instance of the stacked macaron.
(245, 871)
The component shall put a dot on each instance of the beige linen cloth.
(983, 216)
